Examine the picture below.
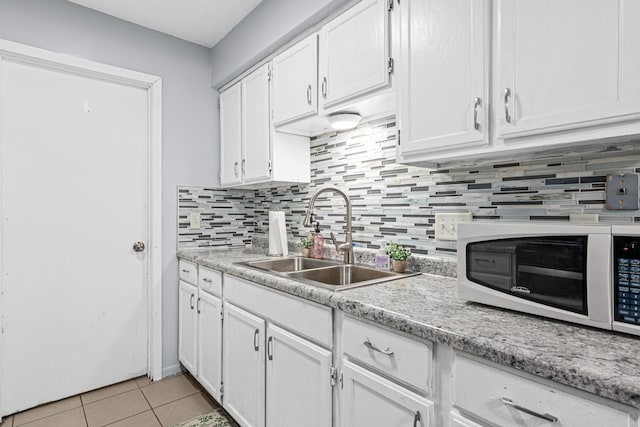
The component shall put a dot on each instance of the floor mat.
(215, 418)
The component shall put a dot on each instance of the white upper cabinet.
(256, 131)
(443, 72)
(567, 64)
(231, 135)
(295, 81)
(354, 52)
(252, 153)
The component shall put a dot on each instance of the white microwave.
(561, 271)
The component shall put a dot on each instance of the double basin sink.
(328, 274)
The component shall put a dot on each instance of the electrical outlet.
(195, 220)
(447, 224)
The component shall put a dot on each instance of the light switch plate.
(195, 220)
(447, 224)
(622, 191)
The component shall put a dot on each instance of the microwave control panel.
(626, 279)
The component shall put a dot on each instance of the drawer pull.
(417, 418)
(206, 279)
(184, 270)
(374, 347)
(511, 403)
(198, 305)
(256, 345)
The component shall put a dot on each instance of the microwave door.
(552, 271)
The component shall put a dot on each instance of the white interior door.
(74, 199)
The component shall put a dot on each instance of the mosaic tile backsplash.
(397, 202)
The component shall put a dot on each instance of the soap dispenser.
(382, 258)
(317, 250)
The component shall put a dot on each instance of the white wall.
(190, 132)
(270, 25)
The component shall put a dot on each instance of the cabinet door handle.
(198, 305)
(256, 344)
(309, 94)
(374, 347)
(184, 270)
(511, 403)
(416, 418)
(270, 348)
(191, 301)
(507, 95)
(206, 279)
(244, 167)
(235, 169)
(476, 103)
(324, 87)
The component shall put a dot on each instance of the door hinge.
(390, 5)
(269, 75)
(333, 375)
(390, 65)
(398, 137)
(269, 165)
(221, 389)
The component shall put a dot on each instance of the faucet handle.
(335, 242)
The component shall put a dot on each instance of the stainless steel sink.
(344, 276)
(328, 274)
(284, 265)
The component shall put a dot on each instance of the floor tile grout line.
(13, 421)
(174, 401)
(153, 411)
(86, 420)
(48, 416)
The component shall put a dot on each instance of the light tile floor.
(134, 403)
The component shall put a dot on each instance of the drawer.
(490, 392)
(210, 281)
(188, 272)
(307, 319)
(490, 262)
(403, 358)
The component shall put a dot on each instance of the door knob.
(138, 246)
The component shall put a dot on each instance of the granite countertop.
(427, 306)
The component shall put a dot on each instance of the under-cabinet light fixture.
(344, 120)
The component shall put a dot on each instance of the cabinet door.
(243, 367)
(460, 421)
(443, 74)
(210, 343)
(231, 135)
(299, 391)
(354, 52)
(295, 81)
(256, 132)
(369, 400)
(566, 64)
(187, 337)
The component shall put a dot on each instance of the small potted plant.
(307, 242)
(399, 255)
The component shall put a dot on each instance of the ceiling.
(204, 22)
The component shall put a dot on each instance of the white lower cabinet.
(200, 328)
(503, 397)
(188, 334)
(458, 420)
(272, 375)
(209, 343)
(299, 391)
(243, 373)
(369, 400)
